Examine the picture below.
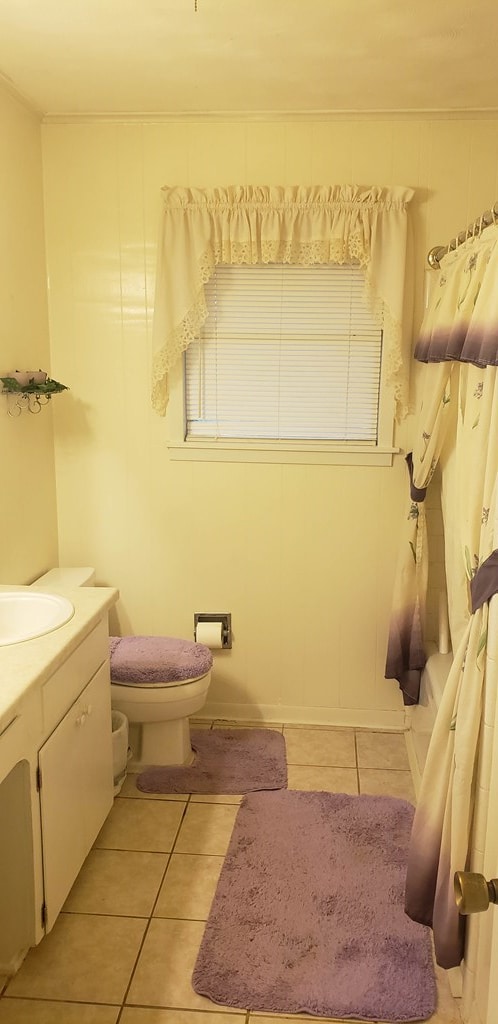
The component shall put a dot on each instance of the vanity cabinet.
(56, 781)
(76, 789)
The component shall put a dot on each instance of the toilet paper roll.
(210, 634)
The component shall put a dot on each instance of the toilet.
(156, 681)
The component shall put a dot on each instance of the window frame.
(310, 452)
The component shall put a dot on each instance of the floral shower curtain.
(459, 343)
(277, 224)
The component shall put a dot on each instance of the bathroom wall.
(28, 520)
(302, 555)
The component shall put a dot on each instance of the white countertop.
(32, 662)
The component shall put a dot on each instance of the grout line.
(180, 823)
(160, 853)
(146, 930)
(100, 913)
(167, 797)
(154, 905)
(139, 953)
(72, 1002)
(217, 1009)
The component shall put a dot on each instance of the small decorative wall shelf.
(30, 390)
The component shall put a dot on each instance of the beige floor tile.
(327, 748)
(330, 780)
(30, 1011)
(189, 886)
(129, 790)
(136, 1015)
(164, 970)
(117, 882)
(206, 828)
(84, 957)
(141, 825)
(215, 798)
(382, 750)
(376, 782)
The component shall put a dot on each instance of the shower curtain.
(459, 344)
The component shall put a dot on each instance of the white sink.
(24, 615)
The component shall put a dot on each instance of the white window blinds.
(287, 353)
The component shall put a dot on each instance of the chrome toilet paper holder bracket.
(226, 623)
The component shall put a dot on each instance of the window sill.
(312, 453)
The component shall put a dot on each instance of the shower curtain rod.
(438, 251)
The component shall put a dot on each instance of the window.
(287, 354)
(257, 227)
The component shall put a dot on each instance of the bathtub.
(423, 714)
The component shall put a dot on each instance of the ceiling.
(231, 56)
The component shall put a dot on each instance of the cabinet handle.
(80, 719)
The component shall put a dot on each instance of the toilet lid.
(159, 660)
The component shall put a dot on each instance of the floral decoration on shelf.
(27, 382)
(28, 389)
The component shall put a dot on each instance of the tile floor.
(123, 949)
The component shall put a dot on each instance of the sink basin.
(24, 615)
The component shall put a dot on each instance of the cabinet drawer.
(63, 688)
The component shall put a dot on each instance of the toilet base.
(166, 743)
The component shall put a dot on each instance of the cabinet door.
(76, 788)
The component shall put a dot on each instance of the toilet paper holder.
(226, 623)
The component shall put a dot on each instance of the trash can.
(119, 748)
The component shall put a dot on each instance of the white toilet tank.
(84, 576)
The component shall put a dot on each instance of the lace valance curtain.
(277, 224)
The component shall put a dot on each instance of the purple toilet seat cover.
(157, 659)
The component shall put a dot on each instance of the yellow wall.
(303, 556)
(28, 522)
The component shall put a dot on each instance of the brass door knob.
(473, 893)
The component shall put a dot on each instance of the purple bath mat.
(226, 761)
(308, 915)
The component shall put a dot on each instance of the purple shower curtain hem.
(485, 581)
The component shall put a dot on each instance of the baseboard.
(360, 718)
